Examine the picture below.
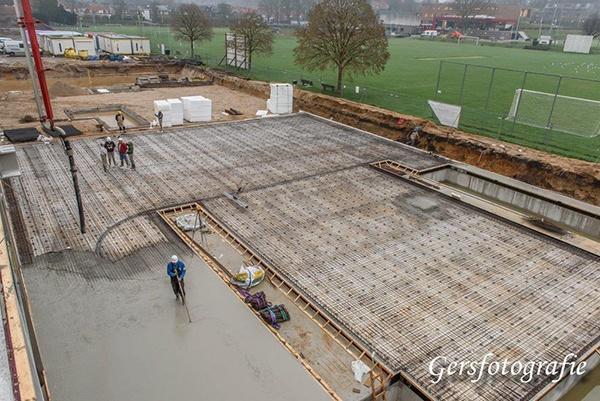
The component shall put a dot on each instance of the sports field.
(411, 77)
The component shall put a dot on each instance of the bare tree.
(468, 9)
(342, 34)
(259, 36)
(188, 22)
(591, 25)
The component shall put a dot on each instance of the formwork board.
(415, 275)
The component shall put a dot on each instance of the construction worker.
(176, 271)
(159, 116)
(130, 154)
(414, 136)
(122, 148)
(110, 146)
(104, 157)
(120, 117)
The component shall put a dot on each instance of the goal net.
(469, 39)
(572, 115)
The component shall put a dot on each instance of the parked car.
(429, 33)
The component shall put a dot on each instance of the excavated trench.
(576, 178)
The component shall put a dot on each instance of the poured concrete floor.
(332, 362)
(128, 339)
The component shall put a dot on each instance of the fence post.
(487, 100)
(437, 85)
(462, 85)
(501, 126)
(519, 101)
(549, 123)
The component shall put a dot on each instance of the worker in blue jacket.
(176, 271)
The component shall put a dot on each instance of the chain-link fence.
(548, 112)
(551, 112)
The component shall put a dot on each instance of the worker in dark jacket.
(130, 154)
(159, 116)
(110, 146)
(176, 271)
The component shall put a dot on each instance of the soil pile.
(62, 89)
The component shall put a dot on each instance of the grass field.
(411, 75)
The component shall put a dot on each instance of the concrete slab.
(409, 281)
(413, 281)
(176, 167)
(129, 339)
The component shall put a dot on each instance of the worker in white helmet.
(110, 146)
(176, 271)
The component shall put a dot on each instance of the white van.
(2, 40)
(14, 48)
(430, 33)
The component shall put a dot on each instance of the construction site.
(384, 255)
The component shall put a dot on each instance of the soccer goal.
(469, 39)
(572, 115)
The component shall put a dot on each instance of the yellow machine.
(72, 53)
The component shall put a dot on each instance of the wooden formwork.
(380, 375)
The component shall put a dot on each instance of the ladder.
(378, 388)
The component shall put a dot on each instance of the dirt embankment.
(61, 68)
(576, 178)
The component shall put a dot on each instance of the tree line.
(345, 35)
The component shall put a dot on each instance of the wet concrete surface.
(129, 339)
(329, 359)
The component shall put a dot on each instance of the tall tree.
(52, 11)
(188, 22)
(591, 25)
(342, 34)
(224, 14)
(468, 9)
(259, 36)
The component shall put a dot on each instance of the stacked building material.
(282, 99)
(176, 111)
(196, 108)
(165, 107)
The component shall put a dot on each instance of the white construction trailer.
(56, 45)
(56, 42)
(140, 45)
(123, 44)
(84, 43)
